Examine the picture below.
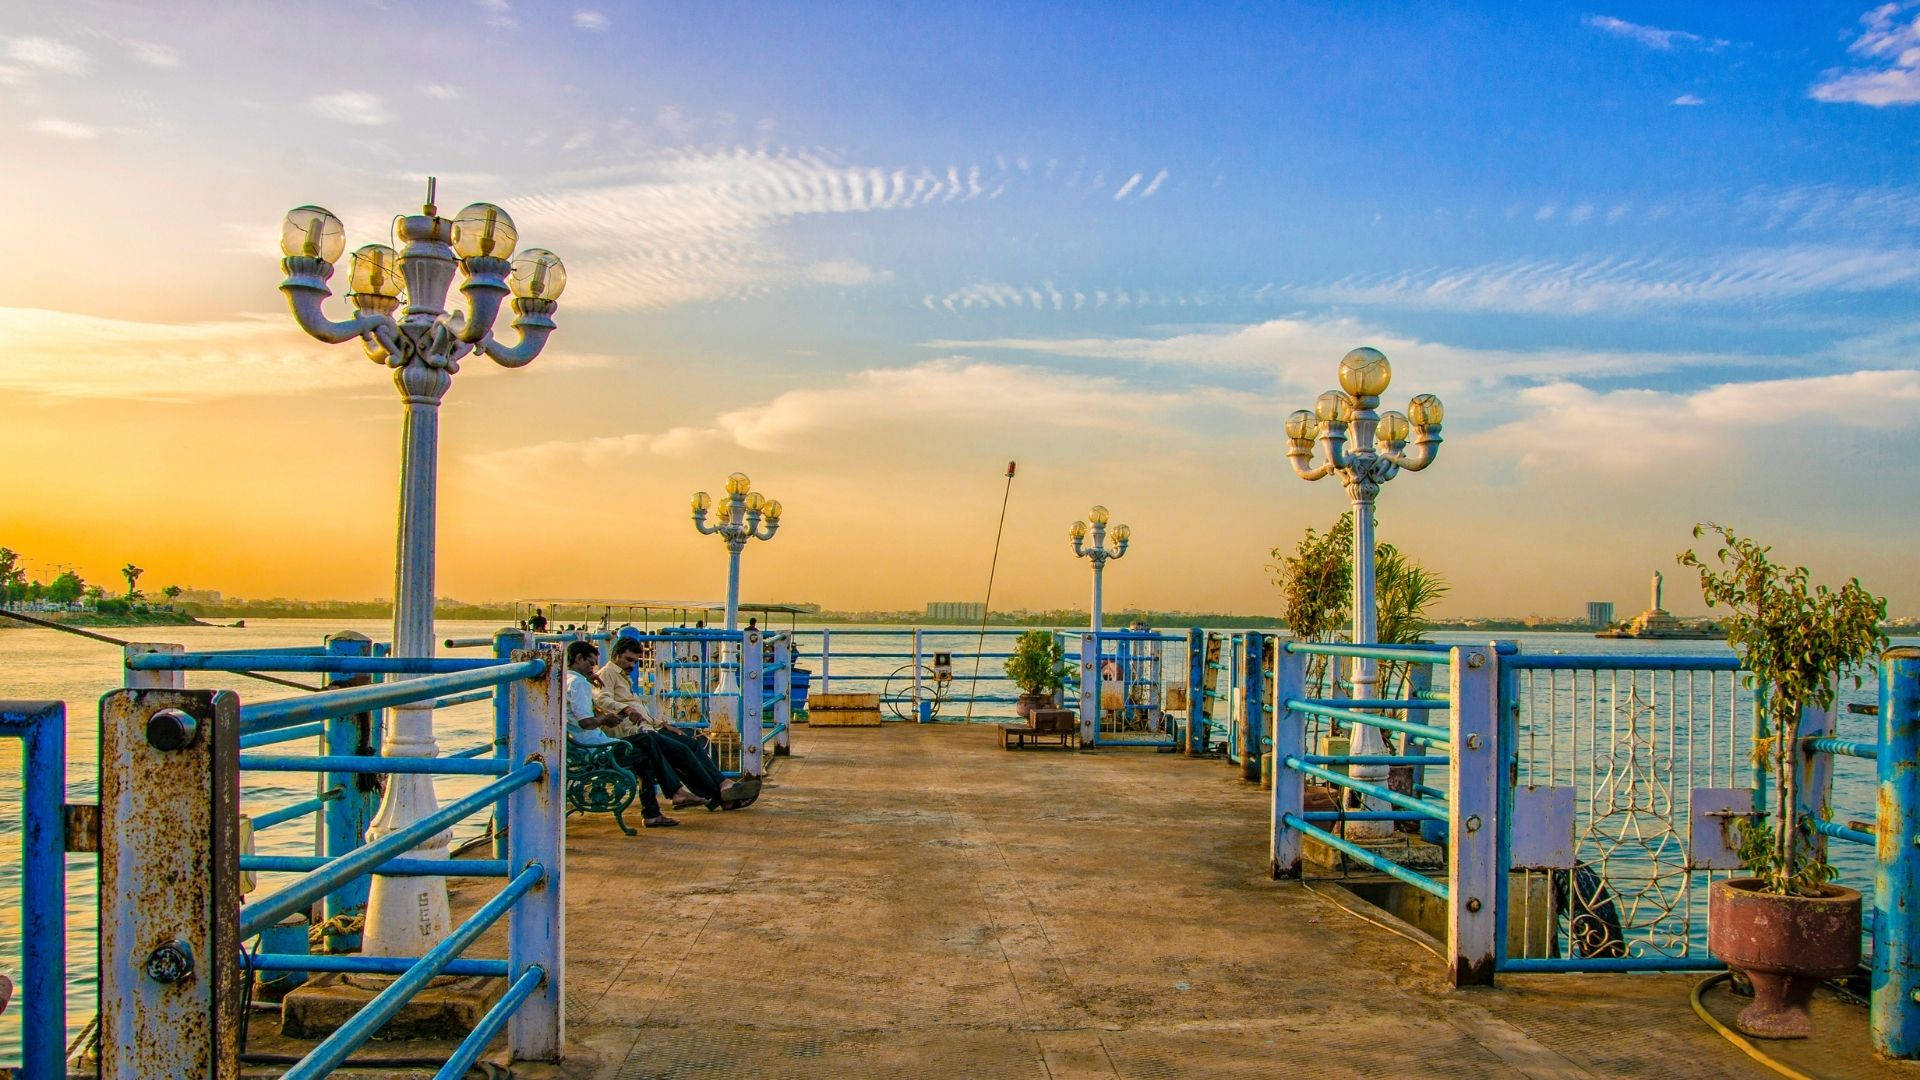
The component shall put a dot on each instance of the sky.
(1660, 261)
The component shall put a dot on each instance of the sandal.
(661, 822)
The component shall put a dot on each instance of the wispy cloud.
(1046, 296)
(498, 14)
(443, 91)
(1890, 42)
(63, 129)
(1689, 99)
(57, 354)
(587, 19)
(351, 107)
(47, 54)
(1832, 206)
(1653, 37)
(846, 272)
(154, 54)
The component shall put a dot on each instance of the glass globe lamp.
(1333, 407)
(1077, 530)
(483, 230)
(1393, 427)
(702, 502)
(1302, 426)
(756, 502)
(1097, 515)
(375, 272)
(773, 509)
(1425, 411)
(738, 484)
(1122, 534)
(314, 232)
(537, 275)
(1364, 372)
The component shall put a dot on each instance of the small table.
(1047, 724)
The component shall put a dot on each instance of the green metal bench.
(597, 784)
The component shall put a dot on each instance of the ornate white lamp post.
(1364, 375)
(423, 344)
(743, 514)
(1098, 554)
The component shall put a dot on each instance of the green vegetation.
(1037, 665)
(1798, 641)
(1316, 593)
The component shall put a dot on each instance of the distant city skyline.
(1661, 262)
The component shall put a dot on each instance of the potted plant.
(1038, 668)
(1787, 926)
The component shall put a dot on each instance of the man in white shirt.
(584, 729)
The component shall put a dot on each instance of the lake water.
(46, 664)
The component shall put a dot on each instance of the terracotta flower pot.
(1786, 945)
(1024, 707)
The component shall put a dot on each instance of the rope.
(1363, 917)
(65, 629)
(339, 924)
(1735, 1037)
(973, 687)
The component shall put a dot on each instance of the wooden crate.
(830, 702)
(843, 717)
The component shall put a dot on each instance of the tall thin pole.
(979, 643)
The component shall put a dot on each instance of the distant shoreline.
(98, 621)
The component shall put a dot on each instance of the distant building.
(198, 596)
(1599, 614)
(956, 611)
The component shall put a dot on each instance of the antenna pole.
(973, 687)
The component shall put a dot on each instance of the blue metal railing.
(41, 727)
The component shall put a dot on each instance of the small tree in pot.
(1787, 926)
(1038, 668)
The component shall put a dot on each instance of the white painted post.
(1813, 778)
(537, 924)
(826, 661)
(1474, 828)
(153, 680)
(751, 725)
(783, 687)
(1089, 689)
(1289, 740)
(914, 712)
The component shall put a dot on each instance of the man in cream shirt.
(685, 757)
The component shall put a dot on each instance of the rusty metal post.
(1289, 740)
(537, 926)
(170, 985)
(1196, 692)
(1089, 690)
(1473, 851)
(343, 823)
(153, 680)
(1253, 700)
(1895, 1011)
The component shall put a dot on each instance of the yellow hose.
(1735, 1037)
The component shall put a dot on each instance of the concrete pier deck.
(916, 902)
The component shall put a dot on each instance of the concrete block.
(447, 1008)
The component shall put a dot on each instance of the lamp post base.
(446, 1008)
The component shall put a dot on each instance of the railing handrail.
(284, 712)
(326, 664)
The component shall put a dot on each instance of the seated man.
(586, 728)
(685, 753)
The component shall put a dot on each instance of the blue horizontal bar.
(463, 699)
(270, 909)
(475, 751)
(1336, 712)
(466, 642)
(1430, 792)
(1391, 703)
(1365, 857)
(280, 735)
(335, 665)
(300, 864)
(460, 1062)
(297, 810)
(372, 763)
(1371, 759)
(1363, 815)
(1827, 744)
(277, 650)
(1842, 832)
(360, 964)
(1618, 662)
(285, 712)
(1377, 791)
(1418, 654)
(1702, 962)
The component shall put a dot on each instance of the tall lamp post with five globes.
(1378, 454)
(743, 514)
(422, 344)
(1099, 553)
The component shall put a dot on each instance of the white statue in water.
(1657, 580)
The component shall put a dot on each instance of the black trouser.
(688, 755)
(643, 767)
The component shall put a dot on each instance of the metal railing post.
(537, 925)
(1089, 690)
(1895, 1012)
(917, 691)
(1253, 658)
(170, 982)
(1289, 740)
(783, 689)
(342, 823)
(505, 644)
(153, 680)
(1196, 692)
(1473, 820)
(752, 663)
(42, 729)
(1813, 778)
(826, 661)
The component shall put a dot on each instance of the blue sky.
(1659, 259)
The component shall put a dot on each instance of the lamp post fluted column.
(743, 514)
(1099, 553)
(423, 345)
(1364, 376)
